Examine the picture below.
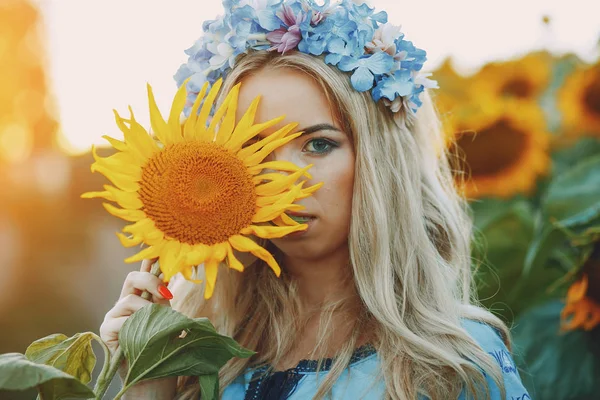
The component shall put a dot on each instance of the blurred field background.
(519, 98)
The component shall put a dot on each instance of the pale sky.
(103, 52)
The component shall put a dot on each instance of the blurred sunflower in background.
(197, 193)
(451, 98)
(523, 79)
(500, 149)
(582, 309)
(579, 101)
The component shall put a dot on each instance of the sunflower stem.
(117, 358)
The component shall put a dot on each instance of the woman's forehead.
(285, 92)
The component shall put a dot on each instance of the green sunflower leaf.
(19, 373)
(209, 387)
(73, 355)
(154, 346)
(556, 365)
(573, 197)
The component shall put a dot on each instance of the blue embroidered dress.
(362, 379)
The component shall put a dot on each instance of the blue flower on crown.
(348, 34)
(366, 68)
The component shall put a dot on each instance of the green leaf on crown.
(155, 347)
(19, 373)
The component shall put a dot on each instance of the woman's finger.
(127, 306)
(136, 282)
(147, 264)
(110, 328)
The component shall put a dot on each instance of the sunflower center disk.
(520, 88)
(493, 149)
(198, 193)
(592, 97)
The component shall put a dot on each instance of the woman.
(377, 291)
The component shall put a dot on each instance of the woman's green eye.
(319, 146)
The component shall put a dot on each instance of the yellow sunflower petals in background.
(579, 102)
(194, 193)
(500, 149)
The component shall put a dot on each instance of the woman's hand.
(129, 302)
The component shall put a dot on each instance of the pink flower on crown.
(285, 39)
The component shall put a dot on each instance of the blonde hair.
(410, 258)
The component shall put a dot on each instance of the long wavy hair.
(410, 262)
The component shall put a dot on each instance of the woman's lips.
(302, 218)
(299, 214)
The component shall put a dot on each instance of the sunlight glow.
(102, 53)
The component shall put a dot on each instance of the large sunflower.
(500, 148)
(523, 79)
(579, 101)
(196, 192)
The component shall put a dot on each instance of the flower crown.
(348, 33)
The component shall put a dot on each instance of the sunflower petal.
(192, 129)
(259, 156)
(258, 179)
(120, 162)
(247, 119)
(219, 251)
(141, 137)
(127, 215)
(171, 259)
(95, 195)
(199, 254)
(123, 182)
(286, 197)
(228, 105)
(117, 144)
(129, 241)
(141, 228)
(134, 148)
(285, 166)
(207, 107)
(281, 133)
(177, 107)
(577, 290)
(272, 232)
(147, 253)
(228, 123)
(210, 270)
(269, 212)
(306, 192)
(157, 122)
(239, 137)
(277, 186)
(245, 244)
(129, 200)
(285, 220)
(232, 261)
(189, 272)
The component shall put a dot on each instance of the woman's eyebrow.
(318, 127)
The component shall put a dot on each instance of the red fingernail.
(165, 292)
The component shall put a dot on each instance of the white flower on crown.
(384, 39)
(223, 53)
(423, 80)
